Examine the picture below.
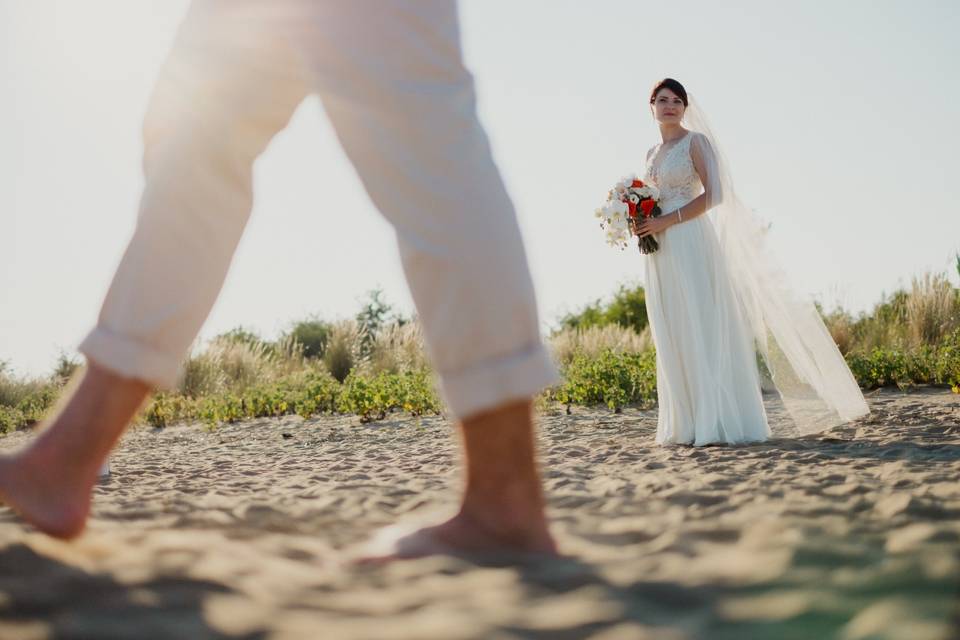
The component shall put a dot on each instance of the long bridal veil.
(811, 376)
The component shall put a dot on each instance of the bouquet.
(628, 203)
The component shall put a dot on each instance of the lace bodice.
(671, 170)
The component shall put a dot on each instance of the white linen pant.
(391, 78)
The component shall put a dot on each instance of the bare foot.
(458, 536)
(502, 514)
(50, 482)
(41, 498)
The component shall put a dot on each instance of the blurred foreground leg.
(393, 83)
(227, 87)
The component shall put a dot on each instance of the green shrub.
(313, 334)
(628, 309)
(946, 362)
(373, 397)
(937, 365)
(11, 419)
(24, 402)
(220, 409)
(420, 396)
(879, 368)
(611, 378)
(165, 409)
(35, 406)
(319, 392)
(268, 401)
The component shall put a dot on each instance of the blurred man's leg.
(392, 81)
(228, 86)
(50, 482)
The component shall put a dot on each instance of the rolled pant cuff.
(130, 359)
(497, 382)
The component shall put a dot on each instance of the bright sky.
(838, 118)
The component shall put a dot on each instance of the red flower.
(632, 209)
(647, 206)
(636, 184)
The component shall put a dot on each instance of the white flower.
(613, 214)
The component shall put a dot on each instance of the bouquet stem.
(648, 244)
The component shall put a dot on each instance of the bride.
(716, 299)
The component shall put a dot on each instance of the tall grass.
(932, 310)
(345, 348)
(922, 316)
(911, 337)
(15, 390)
(593, 340)
(231, 365)
(840, 324)
(397, 348)
(885, 326)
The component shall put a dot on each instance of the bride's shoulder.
(698, 139)
(700, 145)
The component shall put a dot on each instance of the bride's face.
(667, 107)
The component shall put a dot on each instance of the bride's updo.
(673, 85)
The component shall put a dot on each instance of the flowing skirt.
(708, 382)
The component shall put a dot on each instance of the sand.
(239, 533)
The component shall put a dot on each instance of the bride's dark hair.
(673, 85)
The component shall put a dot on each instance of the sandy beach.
(239, 533)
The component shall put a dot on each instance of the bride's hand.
(651, 226)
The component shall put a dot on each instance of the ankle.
(507, 529)
(511, 507)
(44, 460)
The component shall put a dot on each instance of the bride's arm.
(705, 164)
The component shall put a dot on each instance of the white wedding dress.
(708, 382)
